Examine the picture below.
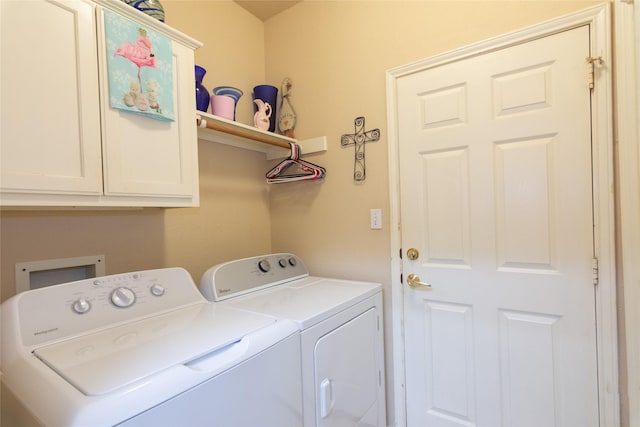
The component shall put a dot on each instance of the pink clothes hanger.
(305, 171)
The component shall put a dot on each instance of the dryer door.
(347, 374)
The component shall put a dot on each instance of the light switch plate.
(376, 219)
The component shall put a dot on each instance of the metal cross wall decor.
(359, 139)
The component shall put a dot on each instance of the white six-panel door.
(496, 195)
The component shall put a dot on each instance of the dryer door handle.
(326, 397)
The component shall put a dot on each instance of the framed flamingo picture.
(140, 68)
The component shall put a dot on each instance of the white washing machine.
(340, 326)
(145, 349)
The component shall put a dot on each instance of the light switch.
(376, 219)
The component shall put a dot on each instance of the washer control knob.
(123, 297)
(292, 262)
(282, 262)
(157, 290)
(81, 306)
(264, 265)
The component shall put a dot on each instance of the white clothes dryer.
(340, 325)
(145, 349)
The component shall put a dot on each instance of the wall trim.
(627, 89)
(598, 19)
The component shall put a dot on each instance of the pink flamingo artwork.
(140, 52)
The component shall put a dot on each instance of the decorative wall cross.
(359, 139)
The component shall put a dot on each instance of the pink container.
(223, 106)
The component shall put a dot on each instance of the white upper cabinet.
(61, 141)
(50, 129)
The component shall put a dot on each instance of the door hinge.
(594, 271)
(591, 69)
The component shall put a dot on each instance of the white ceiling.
(265, 9)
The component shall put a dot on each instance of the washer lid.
(104, 361)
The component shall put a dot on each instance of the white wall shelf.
(216, 129)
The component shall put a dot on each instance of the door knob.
(414, 281)
(413, 254)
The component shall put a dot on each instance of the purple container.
(202, 94)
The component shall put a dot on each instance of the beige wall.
(233, 220)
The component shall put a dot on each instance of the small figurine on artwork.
(130, 97)
(287, 120)
(152, 95)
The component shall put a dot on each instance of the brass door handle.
(414, 281)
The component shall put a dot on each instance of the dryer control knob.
(157, 290)
(292, 262)
(264, 265)
(81, 306)
(123, 297)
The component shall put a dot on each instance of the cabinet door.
(146, 157)
(49, 116)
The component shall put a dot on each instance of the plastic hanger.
(305, 171)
